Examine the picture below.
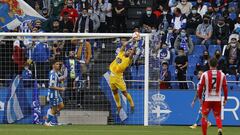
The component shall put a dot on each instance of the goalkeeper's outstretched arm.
(125, 44)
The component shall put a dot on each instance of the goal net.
(25, 69)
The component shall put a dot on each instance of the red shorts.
(207, 106)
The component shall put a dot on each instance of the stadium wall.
(166, 107)
(170, 107)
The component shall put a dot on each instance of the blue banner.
(36, 105)
(16, 107)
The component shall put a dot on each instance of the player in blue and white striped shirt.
(199, 116)
(55, 98)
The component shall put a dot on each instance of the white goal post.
(146, 37)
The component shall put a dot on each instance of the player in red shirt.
(72, 12)
(213, 81)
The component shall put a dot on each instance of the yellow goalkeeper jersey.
(119, 65)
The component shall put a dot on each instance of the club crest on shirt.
(158, 109)
(119, 61)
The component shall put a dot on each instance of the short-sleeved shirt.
(53, 82)
(57, 6)
(204, 29)
(181, 60)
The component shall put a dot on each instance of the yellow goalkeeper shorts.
(117, 83)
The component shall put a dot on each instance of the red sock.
(219, 122)
(204, 126)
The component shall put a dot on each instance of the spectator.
(41, 55)
(221, 32)
(214, 14)
(164, 53)
(37, 7)
(120, 16)
(185, 7)
(80, 5)
(181, 63)
(193, 20)
(148, 20)
(165, 75)
(55, 26)
(107, 10)
(170, 38)
(84, 23)
(38, 25)
(94, 17)
(57, 50)
(232, 52)
(179, 21)
(164, 21)
(201, 8)
(204, 32)
(219, 4)
(158, 11)
(185, 42)
(18, 56)
(221, 61)
(45, 13)
(47, 24)
(26, 73)
(66, 25)
(203, 62)
(73, 77)
(72, 12)
(229, 21)
(172, 4)
(237, 25)
(56, 8)
(32, 3)
(84, 54)
(102, 16)
(163, 3)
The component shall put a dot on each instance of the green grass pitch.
(109, 130)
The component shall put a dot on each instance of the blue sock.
(199, 117)
(50, 116)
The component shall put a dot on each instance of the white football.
(136, 36)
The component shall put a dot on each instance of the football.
(136, 36)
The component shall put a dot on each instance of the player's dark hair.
(213, 62)
(181, 49)
(54, 61)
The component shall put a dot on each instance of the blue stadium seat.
(198, 49)
(140, 71)
(194, 38)
(193, 60)
(194, 3)
(213, 48)
(190, 70)
(172, 69)
(173, 59)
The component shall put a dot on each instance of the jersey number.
(214, 83)
(213, 93)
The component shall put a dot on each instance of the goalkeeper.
(117, 68)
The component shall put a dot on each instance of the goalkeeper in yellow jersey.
(117, 68)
